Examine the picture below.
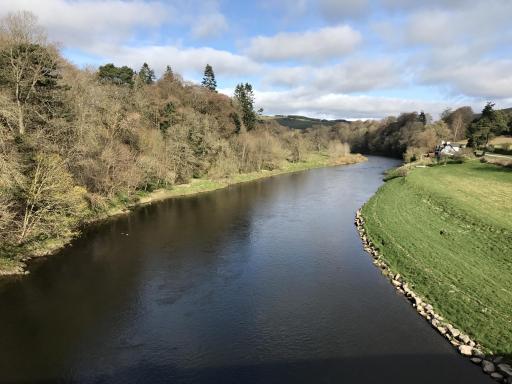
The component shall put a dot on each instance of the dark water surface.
(263, 282)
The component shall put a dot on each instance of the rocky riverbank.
(495, 366)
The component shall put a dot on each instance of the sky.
(353, 59)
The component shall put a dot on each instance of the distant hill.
(303, 122)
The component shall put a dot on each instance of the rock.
(471, 343)
(478, 353)
(466, 350)
(497, 359)
(464, 338)
(497, 376)
(476, 360)
(505, 368)
(442, 330)
(429, 307)
(488, 367)
(395, 283)
(453, 331)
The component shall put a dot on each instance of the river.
(264, 282)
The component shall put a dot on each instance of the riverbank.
(17, 264)
(446, 232)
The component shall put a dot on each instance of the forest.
(74, 142)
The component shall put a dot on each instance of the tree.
(244, 96)
(168, 74)
(28, 69)
(167, 117)
(109, 73)
(422, 118)
(146, 74)
(209, 81)
(458, 121)
(490, 124)
(51, 203)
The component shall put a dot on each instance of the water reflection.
(262, 282)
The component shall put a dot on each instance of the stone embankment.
(495, 366)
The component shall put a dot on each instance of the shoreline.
(495, 366)
(18, 266)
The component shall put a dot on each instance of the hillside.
(79, 144)
(303, 122)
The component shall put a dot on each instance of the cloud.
(486, 78)
(330, 105)
(83, 23)
(312, 45)
(418, 4)
(210, 25)
(187, 61)
(354, 75)
(336, 10)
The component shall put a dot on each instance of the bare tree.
(27, 64)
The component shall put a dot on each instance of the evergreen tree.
(209, 78)
(168, 74)
(490, 124)
(167, 117)
(109, 73)
(244, 95)
(146, 74)
(422, 118)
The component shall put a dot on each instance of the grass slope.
(448, 231)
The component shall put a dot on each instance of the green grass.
(448, 231)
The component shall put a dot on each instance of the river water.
(264, 282)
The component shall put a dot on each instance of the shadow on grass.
(406, 369)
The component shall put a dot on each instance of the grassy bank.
(448, 231)
(15, 263)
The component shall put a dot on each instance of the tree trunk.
(21, 121)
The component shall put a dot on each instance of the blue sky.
(326, 58)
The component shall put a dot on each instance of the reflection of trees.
(85, 295)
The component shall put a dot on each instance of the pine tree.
(109, 73)
(490, 124)
(423, 118)
(209, 81)
(168, 74)
(244, 95)
(146, 74)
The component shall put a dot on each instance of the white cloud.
(489, 79)
(210, 25)
(312, 45)
(354, 75)
(183, 60)
(80, 24)
(304, 102)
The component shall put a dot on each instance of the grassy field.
(448, 231)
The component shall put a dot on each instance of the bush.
(394, 173)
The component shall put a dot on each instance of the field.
(448, 231)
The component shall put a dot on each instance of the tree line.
(410, 135)
(74, 142)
